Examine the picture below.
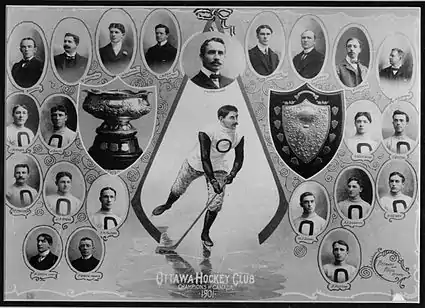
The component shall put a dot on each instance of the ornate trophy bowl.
(116, 145)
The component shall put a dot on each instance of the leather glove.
(216, 186)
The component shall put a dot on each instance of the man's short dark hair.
(354, 38)
(167, 30)
(61, 108)
(223, 111)
(403, 179)
(22, 166)
(260, 27)
(74, 36)
(86, 239)
(28, 39)
(47, 237)
(399, 52)
(213, 39)
(118, 26)
(341, 242)
(107, 188)
(363, 114)
(396, 112)
(356, 179)
(61, 174)
(306, 194)
(17, 106)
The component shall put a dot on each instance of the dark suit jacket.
(259, 61)
(311, 65)
(83, 265)
(70, 70)
(46, 263)
(204, 81)
(115, 62)
(403, 74)
(161, 57)
(27, 75)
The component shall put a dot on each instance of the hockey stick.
(167, 249)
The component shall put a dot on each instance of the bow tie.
(215, 76)
(395, 69)
(69, 58)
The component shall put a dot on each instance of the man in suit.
(399, 142)
(63, 202)
(86, 263)
(350, 71)
(28, 71)
(309, 223)
(397, 71)
(61, 135)
(340, 271)
(45, 259)
(20, 194)
(17, 135)
(212, 53)
(115, 56)
(308, 62)
(263, 59)
(161, 56)
(105, 219)
(70, 64)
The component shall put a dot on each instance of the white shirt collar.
(29, 59)
(86, 257)
(348, 59)
(263, 48)
(308, 50)
(116, 47)
(44, 254)
(163, 43)
(70, 54)
(207, 71)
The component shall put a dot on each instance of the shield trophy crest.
(306, 125)
(116, 122)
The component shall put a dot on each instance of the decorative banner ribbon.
(219, 16)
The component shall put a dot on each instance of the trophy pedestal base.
(115, 152)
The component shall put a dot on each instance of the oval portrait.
(362, 127)
(308, 46)
(354, 193)
(400, 125)
(64, 189)
(396, 186)
(22, 120)
(352, 56)
(42, 248)
(85, 250)
(395, 65)
(107, 202)
(309, 209)
(58, 121)
(212, 60)
(71, 50)
(265, 43)
(27, 55)
(160, 41)
(339, 256)
(24, 181)
(116, 41)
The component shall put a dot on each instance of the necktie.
(25, 63)
(70, 58)
(304, 56)
(214, 77)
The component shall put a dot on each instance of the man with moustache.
(350, 71)
(263, 59)
(63, 202)
(45, 259)
(362, 142)
(208, 159)
(61, 135)
(86, 263)
(115, 56)
(28, 71)
(340, 271)
(308, 62)
(309, 223)
(396, 201)
(212, 54)
(161, 56)
(17, 135)
(105, 219)
(396, 71)
(354, 207)
(399, 142)
(70, 64)
(20, 194)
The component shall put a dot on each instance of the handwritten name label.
(214, 91)
(309, 239)
(396, 216)
(352, 223)
(398, 156)
(43, 275)
(63, 220)
(169, 75)
(96, 276)
(94, 76)
(18, 150)
(132, 71)
(38, 88)
(20, 212)
(361, 88)
(105, 234)
(357, 156)
(56, 151)
(339, 286)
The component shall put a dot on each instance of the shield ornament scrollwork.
(311, 130)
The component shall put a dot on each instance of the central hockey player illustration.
(209, 159)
